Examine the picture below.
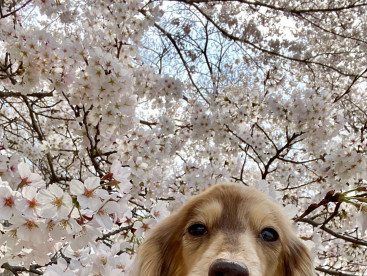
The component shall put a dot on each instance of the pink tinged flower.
(143, 226)
(124, 212)
(123, 262)
(61, 268)
(82, 255)
(56, 229)
(121, 175)
(105, 213)
(88, 194)
(104, 258)
(84, 236)
(8, 199)
(71, 226)
(28, 178)
(56, 203)
(160, 211)
(29, 229)
(10, 240)
(29, 204)
(63, 228)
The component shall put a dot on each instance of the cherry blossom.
(122, 175)
(159, 211)
(8, 200)
(106, 212)
(29, 204)
(28, 178)
(28, 229)
(104, 259)
(56, 203)
(61, 268)
(87, 194)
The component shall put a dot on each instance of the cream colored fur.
(234, 216)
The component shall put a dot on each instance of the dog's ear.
(161, 253)
(297, 260)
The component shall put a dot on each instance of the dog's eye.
(269, 235)
(197, 230)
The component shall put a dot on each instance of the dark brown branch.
(174, 43)
(263, 50)
(350, 86)
(41, 137)
(332, 272)
(284, 9)
(17, 269)
(115, 232)
(333, 233)
(149, 124)
(330, 196)
(18, 94)
(16, 10)
(290, 141)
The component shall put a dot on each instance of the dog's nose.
(223, 267)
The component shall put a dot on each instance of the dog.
(228, 230)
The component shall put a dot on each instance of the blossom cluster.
(42, 221)
(113, 113)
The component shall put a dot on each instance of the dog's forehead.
(235, 195)
(234, 207)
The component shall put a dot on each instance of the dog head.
(227, 230)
